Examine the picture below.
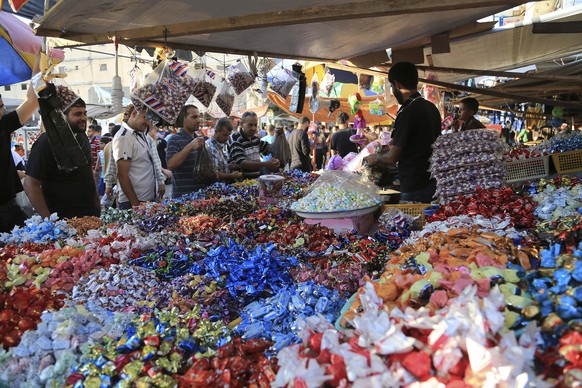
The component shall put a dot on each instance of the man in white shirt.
(139, 169)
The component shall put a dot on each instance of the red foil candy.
(237, 364)
(21, 309)
(490, 203)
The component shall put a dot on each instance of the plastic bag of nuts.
(283, 81)
(204, 86)
(166, 89)
(225, 98)
(239, 77)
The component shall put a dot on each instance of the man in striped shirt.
(245, 148)
(182, 151)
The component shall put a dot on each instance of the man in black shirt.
(340, 141)
(417, 125)
(68, 193)
(10, 214)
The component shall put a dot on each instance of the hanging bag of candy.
(240, 77)
(327, 83)
(166, 89)
(283, 81)
(225, 98)
(205, 84)
(203, 172)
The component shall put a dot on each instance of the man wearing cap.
(69, 193)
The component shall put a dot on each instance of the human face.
(138, 121)
(464, 113)
(192, 120)
(397, 93)
(221, 135)
(1, 108)
(249, 127)
(77, 119)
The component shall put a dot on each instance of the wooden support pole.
(557, 28)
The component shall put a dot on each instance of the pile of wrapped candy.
(214, 290)
(522, 152)
(563, 142)
(464, 161)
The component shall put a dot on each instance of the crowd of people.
(136, 162)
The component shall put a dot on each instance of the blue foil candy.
(277, 318)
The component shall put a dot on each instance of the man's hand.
(372, 160)
(197, 143)
(273, 164)
(161, 192)
(233, 167)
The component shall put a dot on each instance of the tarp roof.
(310, 29)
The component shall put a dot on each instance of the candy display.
(555, 203)
(236, 364)
(274, 318)
(490, 203)
(328, 198)
(39, 230)
(521, 152)
(464, 161)
(47, 354)
(220, 289)
(563, 142)
(152, 349)
(115, 288)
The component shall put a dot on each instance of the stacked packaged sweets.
(463, 161)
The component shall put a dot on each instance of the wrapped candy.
(555, 203)
(490, 203)
(39, 230)
(564, 141)
(83, 224)
(153, 349)
(21, 309)
(249, 273)
(115, 288)
(245, 364)
(46, 354)
(464, 161)
(275, 318)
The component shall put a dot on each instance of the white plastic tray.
(342, 214)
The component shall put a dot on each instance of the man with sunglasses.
(182, 150)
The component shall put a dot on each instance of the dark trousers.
(124, 205)
(10, 216)
(424, 195)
